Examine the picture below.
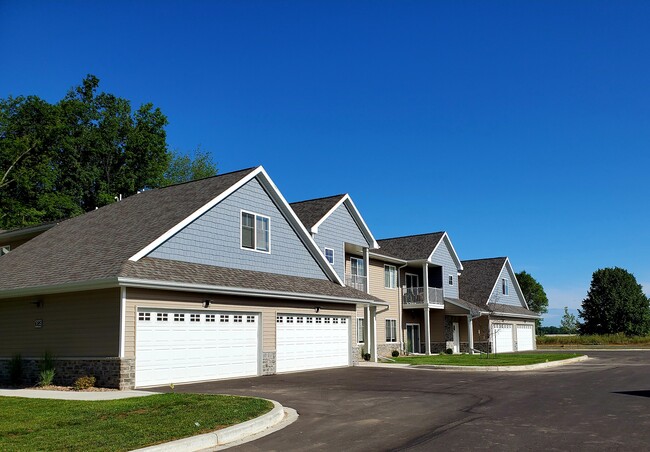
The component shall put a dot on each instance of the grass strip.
(116, 425)
(506, 359)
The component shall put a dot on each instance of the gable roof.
(410, 247)
(479, 278)
(100, 246)
(313, 212)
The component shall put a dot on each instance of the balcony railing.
(356, 282)
(415, 296)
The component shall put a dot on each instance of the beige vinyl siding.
(268, 309)
(376, 281)
(75, 325)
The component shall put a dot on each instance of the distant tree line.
(63, 159)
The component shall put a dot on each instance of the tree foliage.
(60, 160)
(568, 323)
(533, 294)
(615, 303)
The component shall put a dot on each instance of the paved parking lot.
(600, 404)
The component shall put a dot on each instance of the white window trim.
(241, 238)
(360, 338)
(417, 278)
(332, 250)
(388, 267)
(386, 332)
(450, 278)
(504, 287)
(363, 264)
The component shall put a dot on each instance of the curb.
(447, 367)
(224, 436)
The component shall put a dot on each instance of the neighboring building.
(504, 321)
(210, 279)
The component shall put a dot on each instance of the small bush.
(449, 351)
(85, 382)
(366, 356)
(47, 363)
(46, 377)
(16, 370)
(395, 353)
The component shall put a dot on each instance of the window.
(210, 317)
(319, 320)
(391, 330)
(360, 331)
(161, 316)
(310, 320)
(250, 319)
(279, 319)
(255, 232)
(356, 265)
(179, 317)
(144, 316)
(237, 318)
(390, 276)
(4, 249)
(195, 317)
(504, 286)
(329, 255)
(343, 321)
(299, 319)
(224, 318)
(451, 280)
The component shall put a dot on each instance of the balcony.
(356, 282)
(415, 297)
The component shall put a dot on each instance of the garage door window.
(161, 317)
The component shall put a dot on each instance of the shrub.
(46, 377)
(16, 370)
(395, 353)
(366, 356)
(85, 382)
(47, 363)
(449, 351)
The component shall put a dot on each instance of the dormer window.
(255, 232)
(504, 286)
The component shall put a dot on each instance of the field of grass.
(617, 340)
(505, 359)
(116, 425)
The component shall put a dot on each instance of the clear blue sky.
(521, 128)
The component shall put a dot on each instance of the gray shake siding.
(513, 297)
(442, 257)
(339, 228)
(214, 238)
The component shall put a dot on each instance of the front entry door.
(456, 338)
(413, 337)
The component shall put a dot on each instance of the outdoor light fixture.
(317, 308)
(206, 303)
(38, 303)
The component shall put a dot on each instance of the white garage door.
(525, 339)
(503, 340)
(182, 346)
(312, 342)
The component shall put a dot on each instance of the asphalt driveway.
(600, 404)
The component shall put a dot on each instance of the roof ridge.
(205, 178)
(485, 259)
(318, 199)
(412, 235)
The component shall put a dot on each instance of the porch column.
(427, 331)
(373, 334)
(366, 265)
(470, 334)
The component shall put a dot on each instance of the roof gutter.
(241, 291)
(384, 258)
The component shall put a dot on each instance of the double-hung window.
(391, 330)
(390, 276)
(329, 255)
(255, 232)
(504, 286)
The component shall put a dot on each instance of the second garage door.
(311, 342)
(503, 341)
(525, 338)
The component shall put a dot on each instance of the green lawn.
(505, 359)
(40, 424)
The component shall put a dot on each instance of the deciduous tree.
(533, 294)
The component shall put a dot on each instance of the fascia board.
(381, 257)
(167, 235)
(360, 221)
(516, 283)
(96, 284)
(293, 219)
(240, 291)
(314, 228)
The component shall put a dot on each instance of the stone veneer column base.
(268, 363)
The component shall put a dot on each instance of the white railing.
(356, 282)
(415, 296)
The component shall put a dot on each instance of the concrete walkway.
(73, 395)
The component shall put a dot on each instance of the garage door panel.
(312, 342)
(503, 338)
(185, 346)
(525, 337)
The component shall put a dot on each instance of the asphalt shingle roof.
(312, 210)
(183, 272)
(412, 247)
